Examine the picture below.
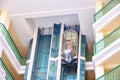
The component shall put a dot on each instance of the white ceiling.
(4, 4)
(29, 14)
(31, 6)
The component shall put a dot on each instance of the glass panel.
(82, 69)
(52, 70)
(42, 57)
(70, 40)
(55, 40)
(83, 45)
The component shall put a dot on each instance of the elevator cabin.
(57, 54)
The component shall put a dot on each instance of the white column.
(99, 71)
(79, 51)
(32, 55)
(59, 57)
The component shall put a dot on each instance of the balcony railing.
(106, 41)
(89, 57)
(8, 76)
(12, 44)
(105, 9)
(114, 74)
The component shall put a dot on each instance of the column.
(99, 71)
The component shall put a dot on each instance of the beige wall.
(110, 26)
(11, 68)
(100, 4)
(23, 50)
(4, 18)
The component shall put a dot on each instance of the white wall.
(28, 6)
(86, 20)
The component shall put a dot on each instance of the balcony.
(12, 45)
(114, 74)
(8, 76)
(106, 41)
(105, 9)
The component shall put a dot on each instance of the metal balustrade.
(105, 9)
(8, 75)
(114, 74)
(12, 44)
(106, 41)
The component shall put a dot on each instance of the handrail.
(89, 57)
(8, 74)
(107, 40)
(11, 43)
(113, 74)
(105, 9)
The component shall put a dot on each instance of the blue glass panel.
(83, 45)
(55, 40)
(36, 51)
(82, 69)
(52, 70)
(40, 65)
(42, 57)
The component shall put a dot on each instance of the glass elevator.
(58, 54)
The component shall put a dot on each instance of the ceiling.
(69, 19)
(26, 15)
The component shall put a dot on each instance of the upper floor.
(107, 40)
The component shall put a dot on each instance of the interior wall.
(100, 4)
(23, 50)
(112, 25)
(86, 20)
